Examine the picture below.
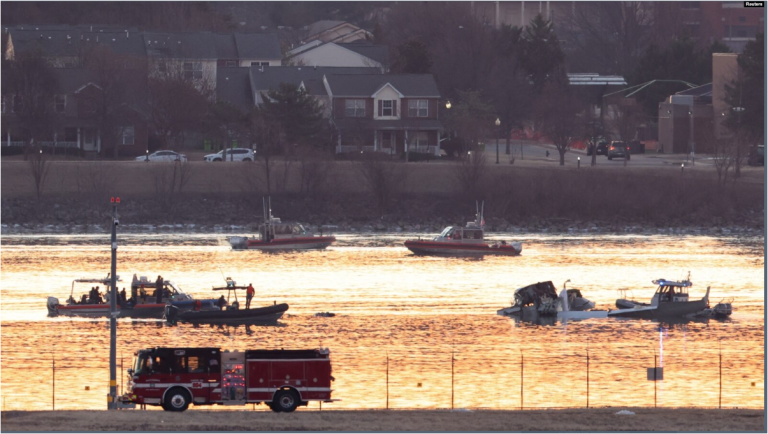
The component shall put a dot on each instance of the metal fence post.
(655, 371)
(387, 381)
(720, 397)
(587, 376)
(522, 369)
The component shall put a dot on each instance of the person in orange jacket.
(249, 295)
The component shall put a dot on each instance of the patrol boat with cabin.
(275, 235)
(461, 241)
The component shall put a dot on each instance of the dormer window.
(387, 108)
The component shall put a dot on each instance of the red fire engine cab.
(176, 377)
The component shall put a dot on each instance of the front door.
(89, 139)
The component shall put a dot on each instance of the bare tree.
(96, 180)
(267, 133)
(610, 36)
(384, 178)
(723, 156)
(314, 168)
(170, 179)
(557, 115)
(120, 82)
(470, 172)
(29, 95)
(177, 104)
(38, 168)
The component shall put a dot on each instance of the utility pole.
(112, 400)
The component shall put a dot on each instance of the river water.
(409, 332)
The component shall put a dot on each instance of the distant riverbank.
(419, 197)
(600, 419)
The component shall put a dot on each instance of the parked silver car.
(238, 154)
(163, 156)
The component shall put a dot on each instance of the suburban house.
(247, 49)
(75, 117)
(68, 46)
(335, 31)
(360, 53)
(385, 113)
(191, 54)
(309, 78)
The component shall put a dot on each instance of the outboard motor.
(53, 304)
(170, 313)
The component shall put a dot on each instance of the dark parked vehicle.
(618, 150)
(601, 148)
(757, 156)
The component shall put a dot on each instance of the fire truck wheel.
(286, 400)
(176, 400)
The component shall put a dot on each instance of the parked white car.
(238, 154)
(163, 156)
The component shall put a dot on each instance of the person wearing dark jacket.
(159, 289)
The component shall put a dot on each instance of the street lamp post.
(693, 142)
(112, 403)
(498, 122)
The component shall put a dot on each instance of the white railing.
(423, 149)
(44, 144)
(344, 149)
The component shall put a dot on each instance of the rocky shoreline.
(353, 216)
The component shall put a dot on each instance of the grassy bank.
(696, 420)
(422, 193)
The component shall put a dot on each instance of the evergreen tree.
(748, 92)
(296, 110)
(540, 54)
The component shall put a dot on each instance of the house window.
(231, 63)
(354, 108)
(386, 140)
(418, 108)
(193, 70)
(386, 108)
(128, 136)
(264, 63)
(259, 63)
(60, 103)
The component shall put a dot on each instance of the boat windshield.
(447, 232)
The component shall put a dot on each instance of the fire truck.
(174, 378)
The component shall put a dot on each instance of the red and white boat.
(466, 241)
(96, 304)
(275, 235)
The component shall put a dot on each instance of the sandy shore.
(604, 419)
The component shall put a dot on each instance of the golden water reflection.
(424, 329)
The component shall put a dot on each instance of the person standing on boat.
(143, 294)
(249, 295)
(122, 296)
(159, 289)
(222, 302)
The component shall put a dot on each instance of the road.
(533, 152)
